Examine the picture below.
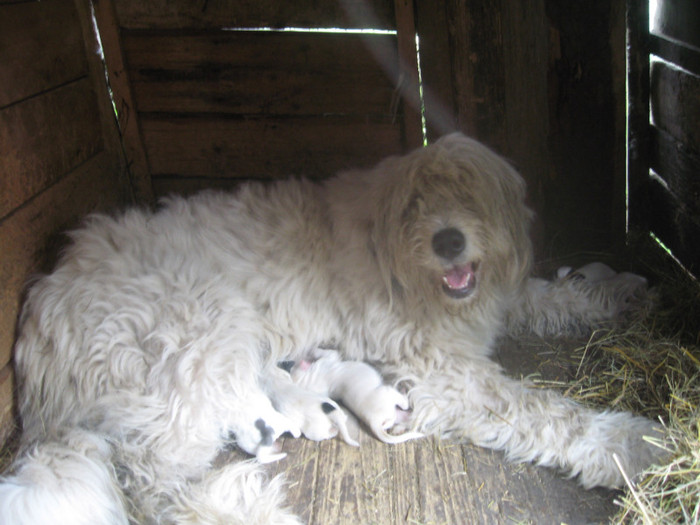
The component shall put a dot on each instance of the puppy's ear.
(286, 365)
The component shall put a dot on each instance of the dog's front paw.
(616, 446)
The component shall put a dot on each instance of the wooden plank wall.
(218, 100)
(673, 211)
(215, 105)
(59, 149)
(664, 126)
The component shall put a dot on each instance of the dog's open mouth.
(460, 281)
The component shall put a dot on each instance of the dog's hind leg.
(474, 400)
(68, 479)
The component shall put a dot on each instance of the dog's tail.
(68, 479)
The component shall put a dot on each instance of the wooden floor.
(431, 482)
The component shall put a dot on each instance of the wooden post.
(137, 163)
(637, 113)
(408, 82)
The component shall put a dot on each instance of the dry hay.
(653, 368)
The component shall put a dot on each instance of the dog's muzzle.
(459, 281)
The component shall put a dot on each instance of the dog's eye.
(327, 407)
(415, 203)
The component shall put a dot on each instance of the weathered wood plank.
(111, 134)
(27, 31)
(637, 22)
(436, 68)
(408, 73)
(675, 103)
(29, 236)
(476, 31)
(133, 148)
(525, 56)
(169, 14)
(260, 73)
(265, 148)
(679, 166)
(678, 20)
(44, 137)
(685, 57)
(165, 185)
(672, 222)
(7, 396)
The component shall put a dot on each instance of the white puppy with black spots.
(360, 388)
(317, 416)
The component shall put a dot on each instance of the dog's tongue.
(459, 277)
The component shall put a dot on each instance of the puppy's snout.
(449, 243)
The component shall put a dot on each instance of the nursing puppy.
(317, 416)
(360, 388)
(154, 339)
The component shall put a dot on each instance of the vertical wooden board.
(618, 35)
(436, 68)
(111, 135)
(675, 103)
(122, 99)
(44, 137)
(179, 14)
(7, 396)
(525, 56)
(462, 64)
(477, 53)
(408, 83)
(637, 23)
(261, 73)
(29, 236)
(40, 47)
(578, 192)
(265, 148)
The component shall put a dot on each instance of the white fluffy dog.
(153, 341)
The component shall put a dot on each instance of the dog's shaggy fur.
(153, 340)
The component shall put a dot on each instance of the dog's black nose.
(449, 243)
